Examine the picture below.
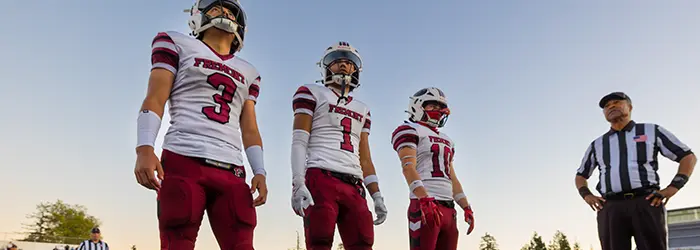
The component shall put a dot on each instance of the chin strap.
(342, 80)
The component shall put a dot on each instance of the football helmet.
(433, 118)
(338, 51)
(199, 21)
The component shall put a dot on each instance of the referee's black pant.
(622, 219)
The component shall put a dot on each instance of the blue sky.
(523, 79)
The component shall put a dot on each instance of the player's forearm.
(160, 83)
(408, 166)
(249, 126)
(369, 171)
(414, 182)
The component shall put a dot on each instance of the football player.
(426, 158)
(212, 96)
(331, 158)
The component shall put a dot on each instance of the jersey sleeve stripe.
(164, 53)
(162, 37)
(367, 126)
(253, 92)
(404, 135)
(303, 90)
(305, 106)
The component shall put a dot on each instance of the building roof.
(683, 209)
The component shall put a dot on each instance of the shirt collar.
(627, 128)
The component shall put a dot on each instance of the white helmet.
(341, 50)
(199, 21)
(433, 118)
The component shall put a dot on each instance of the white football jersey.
(434, 153)
(206, 99)
(335, 131)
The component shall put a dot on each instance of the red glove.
(469, 218)
(429, 209)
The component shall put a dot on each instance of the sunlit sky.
(523, 79)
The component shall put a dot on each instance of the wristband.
(147, 126)
(459, 196)
(679, 181)
(376, 195)
(371, 179)
(584, 191)
(415, 184)
(408, 157)
(255, 158)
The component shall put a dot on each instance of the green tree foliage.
(559, 242)
(488, 242)
(58, 222)
(577, 246)
(535, 243)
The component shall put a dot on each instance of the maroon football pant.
(336, 202)
(189, 188)
(424, 237)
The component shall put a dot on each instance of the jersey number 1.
(223, 99)
(346, 144)
(446, 159)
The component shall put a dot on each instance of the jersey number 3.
(446, 159)
(224, 99)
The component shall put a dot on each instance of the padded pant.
(337, 202)
(422, 237)
(191, 187)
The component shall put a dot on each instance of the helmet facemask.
(351, 80)
(236, 26)
(436, 117)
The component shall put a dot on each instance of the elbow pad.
(300, 142)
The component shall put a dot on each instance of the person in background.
(95, 242)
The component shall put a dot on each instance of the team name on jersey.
(436, 139)
(343, 111)
(213, 65)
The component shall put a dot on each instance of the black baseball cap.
(95, 230)
(613, 96)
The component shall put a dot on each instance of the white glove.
(379, 208)
(301, 199)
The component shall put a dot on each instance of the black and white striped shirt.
(627, 159)
(90, 245)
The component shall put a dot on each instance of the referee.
(631, 204)
(95, 242)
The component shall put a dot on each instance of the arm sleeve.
(588, 163)
(670, 146)
(368, 123)
(254, 89)
(404, 136)
(164, 53)
(304, 101)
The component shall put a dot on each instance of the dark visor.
(342, 54)
(231, 5)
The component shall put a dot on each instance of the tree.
(488, 242)
(559, 242)
(59, 222)
(577, 246)
(535, 243)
